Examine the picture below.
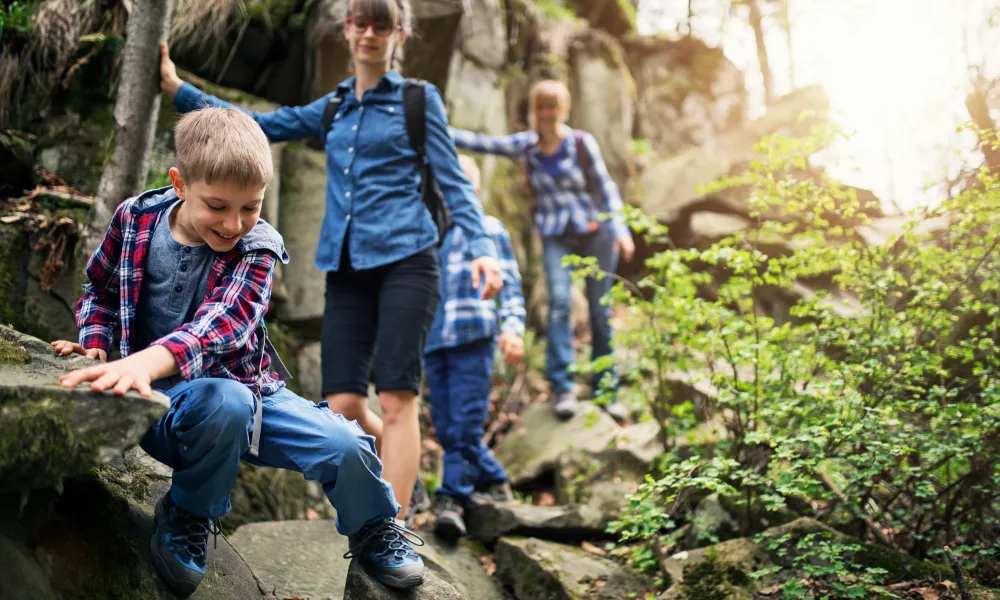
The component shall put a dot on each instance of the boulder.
(732, 561)
(672, 184)
(303, 204)
(536, 445)
(688, 93)
(303, 559)
(475, 98)
(711, 522)
(544, 570)
(482, 35)
(603, 98)
(489, 522)
(47, 432)
(617, 17)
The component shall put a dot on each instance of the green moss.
(899, 565)
(13, 250)
(45, 449)
(129, 483)
(12, 353)
(288, 346)
(712, 579)
(269, 13)
(89, 538)
(629, 12)
(554, 9)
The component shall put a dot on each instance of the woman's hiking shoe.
(450, 523)
(564, 405)
(179, 545)
(617, 411)
(383, 549)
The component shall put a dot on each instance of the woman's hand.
(625, 247)
(169, 81)
(488, 269)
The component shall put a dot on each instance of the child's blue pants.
(206, 432)
(459, 379)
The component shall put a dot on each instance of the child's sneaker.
(499, 492)
(450, 522)
(383, 549)
(617, 411)
(179, 545)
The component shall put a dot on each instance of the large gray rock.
(543, 570)
(490, 522)
(688, 93)
(303, 204)
(671, 184)
(482, 34)
(304, 559)
(48, 432)
(475, 98)
(603, 99)
(536, 445)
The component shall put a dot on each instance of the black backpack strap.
(330, 111)
(586, 162)
(415, 111)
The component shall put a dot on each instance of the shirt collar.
(387, 82)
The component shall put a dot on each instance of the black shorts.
(391, 308)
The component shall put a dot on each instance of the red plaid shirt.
(221, 341)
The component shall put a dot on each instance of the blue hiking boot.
(179, 545)
(383, 549)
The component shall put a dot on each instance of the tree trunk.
(977, 103)
(136, 108)
(757, 22)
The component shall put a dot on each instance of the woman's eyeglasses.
(381, 28)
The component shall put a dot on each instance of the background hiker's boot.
(419, 500)
(179, 545)
(384, 550)
(499, 492)
(564, 405)
(618, 412)
(450, 523)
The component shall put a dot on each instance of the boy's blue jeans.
(206, 432)
(459, 379)
(559, 353)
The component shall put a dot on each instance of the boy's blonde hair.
(471, 170)
(222, 145)
(548, 89)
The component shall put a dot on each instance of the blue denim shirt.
(373, 174)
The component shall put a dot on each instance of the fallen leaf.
(588, 547)
(546, 499)
(312, 515)
(11, 218)
(928, 593)
(769, 591)
(488, 564)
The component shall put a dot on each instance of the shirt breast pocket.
(384, 127)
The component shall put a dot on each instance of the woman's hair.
(397, 12)
(548, 89)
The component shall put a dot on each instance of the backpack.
(415, 112)
(586, 164)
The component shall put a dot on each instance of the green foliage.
(554, 9)
(887, 413)
(712, 579)
(15, 18)
(823, 568)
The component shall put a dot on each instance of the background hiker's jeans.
(459, 380)
(207, 431)
(559, 354)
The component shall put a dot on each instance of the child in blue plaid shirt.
(459, 365)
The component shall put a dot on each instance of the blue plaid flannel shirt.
(563, 204)
(462, 316)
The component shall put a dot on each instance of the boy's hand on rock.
(512, 348)
(65, 348)
(135, 372)
(487, 268)
(169, 81)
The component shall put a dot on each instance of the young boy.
(184, 275)
(459, 366)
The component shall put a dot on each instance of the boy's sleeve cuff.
(483, 247)
(513, 325)
(621, 229)
(187, 351)
(96, 336)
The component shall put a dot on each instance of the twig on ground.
(959, 578)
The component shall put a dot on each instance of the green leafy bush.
(875, 405)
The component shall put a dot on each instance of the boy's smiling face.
(218, 214)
